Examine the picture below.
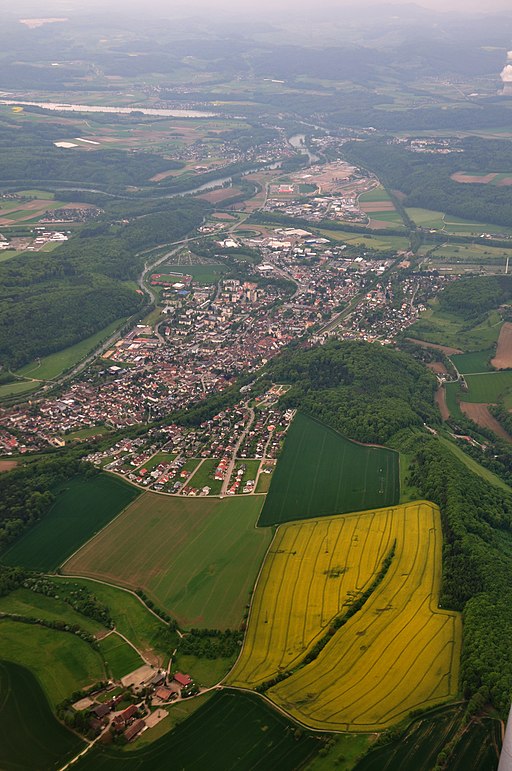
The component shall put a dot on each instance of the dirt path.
(441, 403)
(479, 414)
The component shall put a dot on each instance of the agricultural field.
(487, 388)
(321, 473)
(477, 361)
(25, 602)
(398, 653)
(132, 619)
(120, 657)
(16, 388)
(479, 414)
(503, 356)
(379, 208)
(449, 330)
(477, 748)
(466, 258)
(50, 367)
(230, 731)
(437, 220)
(312, 572)
(82, 507)
(31, 736)
(378, 242)
(61, 661)
(197, 558)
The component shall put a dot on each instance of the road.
(232, 462)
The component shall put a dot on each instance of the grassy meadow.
(61, 661)
(120, 657)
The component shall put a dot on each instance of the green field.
(61, 661)
(120, 657)
(16, 388)
(133, 620)
(468, 257)
(375, 195)
(83, 507)
(321, 473)
(205, 672)
(52, 366)
(417, 750)
(437, 220)
(232, 731)
(31, 736)
(208, 273)
(25, 602)
(488, 387)
(195, 557)
(160, 457)
(378, 242)
(443, 328)
(478, 361)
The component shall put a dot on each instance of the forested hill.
(477, 566)
(472, 297)
(51, 300)
(425, 180)
(366, 392)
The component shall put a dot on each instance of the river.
(120, 110)
(298, 142)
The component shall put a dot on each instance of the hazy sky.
(167, 7)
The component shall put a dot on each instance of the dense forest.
(477, 566)
(51, 300)
(472, 297)
(364, 391)
(425, 178)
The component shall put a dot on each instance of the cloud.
(506, 73)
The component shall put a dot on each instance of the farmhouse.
(182, 680)
(133, 730)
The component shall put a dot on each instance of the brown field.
(216, 196)
(437, 366)
(464, 178)
(7, 465)
(441, 403)
(164, 174)
(505, 182)
(381, 224)
(444, 348)
(376, 206)
(479, 414)
(503, 358)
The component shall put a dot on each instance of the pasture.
(398, 653)
(231, 731)
(61, 661)
(25, 602)
(312, 571)
(462, 258)
(378, 242)
(477, 361)
(31, 736)
(120, 657)
(195, 557)
(82, 507)
(448, 223)
(321, 473)
(50, 367)
(132, 619)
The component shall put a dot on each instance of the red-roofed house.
(181, 679)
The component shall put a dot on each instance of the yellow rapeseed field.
(398, 653)
(312, 570)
